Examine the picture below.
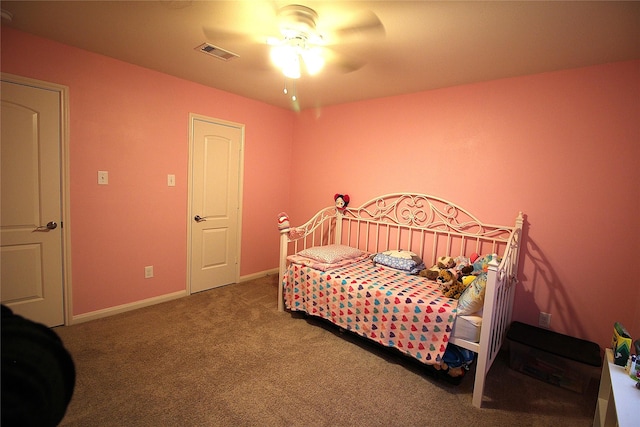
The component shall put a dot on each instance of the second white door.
(215, 190)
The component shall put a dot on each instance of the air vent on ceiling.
(216, 51)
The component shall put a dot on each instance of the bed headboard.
(427, 225)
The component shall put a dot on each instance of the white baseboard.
(98, 314)
(258, 275)
(106, 312)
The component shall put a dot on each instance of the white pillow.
(331, 253)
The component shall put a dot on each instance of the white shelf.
(618, 399)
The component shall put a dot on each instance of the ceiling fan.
(300, 40)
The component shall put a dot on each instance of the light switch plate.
(103, 177)
(171, 180)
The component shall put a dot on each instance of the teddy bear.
(465, 265)
(444, 262)
(430, 273)
(450, 286)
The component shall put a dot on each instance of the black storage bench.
(558, 359)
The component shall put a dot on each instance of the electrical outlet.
(148, 272)
(544, 320)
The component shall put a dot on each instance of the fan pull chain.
(286, 91)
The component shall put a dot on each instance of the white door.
(31, 212)
(215, 210)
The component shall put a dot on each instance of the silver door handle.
(198, 218)
(51, 225)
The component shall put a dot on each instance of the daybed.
(327, 269)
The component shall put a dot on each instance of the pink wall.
(562, 147)
(133, 122)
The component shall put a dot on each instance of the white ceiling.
(425, 45)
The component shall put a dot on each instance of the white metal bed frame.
(430, 227)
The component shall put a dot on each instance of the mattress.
(385, 305)
(467, 328)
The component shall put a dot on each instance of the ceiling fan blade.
(242, 22)
(216, 35)
(256, 56)
(343, 63)
(224, 36)
(365, 25)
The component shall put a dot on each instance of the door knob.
(198, 218)
(51, 225)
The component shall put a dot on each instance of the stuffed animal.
(464, 265)
(450, 286)
(456, 361)
(430, 273)
(458, 371)
(444, 262)
(467, 280)
(342, 200)
(283, 221)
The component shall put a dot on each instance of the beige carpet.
(227, 357)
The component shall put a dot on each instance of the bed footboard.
(497, 311)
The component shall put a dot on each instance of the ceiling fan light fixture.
(313, 60)
(286, 58)
(291, 68)
(288, 54)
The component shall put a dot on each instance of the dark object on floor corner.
(38, 373)
(555, 358)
